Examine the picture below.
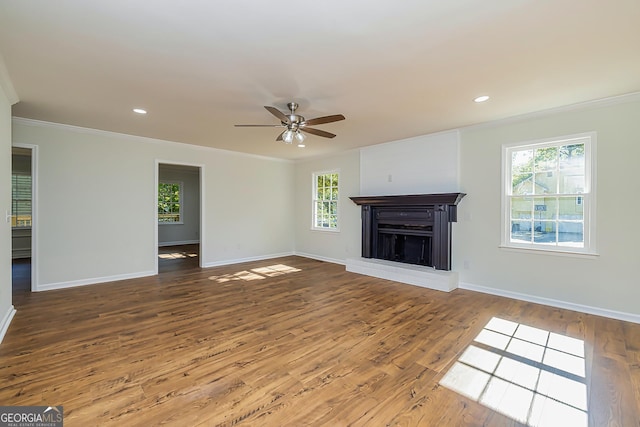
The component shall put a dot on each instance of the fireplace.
(412, 229)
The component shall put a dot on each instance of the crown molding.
(135, 138)
(6, 84)
(579, 106)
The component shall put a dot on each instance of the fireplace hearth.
(411, 229)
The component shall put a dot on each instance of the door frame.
(202, 216)
(34, 212)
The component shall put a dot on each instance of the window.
(20, 200)
(548, 195)
(170, 203)
(325, 201)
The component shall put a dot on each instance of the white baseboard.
(6, 320)
(178, 243)
(320, 258)
(619, 315)
(93, 281)
(248, 259)
(411, 274)
(97, 280)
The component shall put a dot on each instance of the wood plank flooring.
(295, 342)
(178, 257)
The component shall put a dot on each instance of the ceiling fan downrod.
(294, 119)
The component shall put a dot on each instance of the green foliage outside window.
(548, 186)
(326, 201)
(526, 163)
(169, 201)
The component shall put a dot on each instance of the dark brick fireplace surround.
(412, 229)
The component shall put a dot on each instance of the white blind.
(20, 200)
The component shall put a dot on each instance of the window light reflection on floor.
(533, 376)
(177, 255)
(256, 273)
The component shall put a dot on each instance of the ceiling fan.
(295, 124)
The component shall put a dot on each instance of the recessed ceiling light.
(481, 98)
(139, 111)
(301, 145)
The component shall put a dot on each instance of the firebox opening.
(405, 248)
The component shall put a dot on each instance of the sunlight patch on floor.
(531, 375)
(256, 273)
(177, 255)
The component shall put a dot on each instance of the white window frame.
(315, 200)
(587, 197)
(181, 202)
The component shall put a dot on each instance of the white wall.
(96, 204)
(609, 281)
(189, 230)
(6, 307)
(328, 245)
(422, 165)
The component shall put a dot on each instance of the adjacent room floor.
(21, 275)
(179, 257)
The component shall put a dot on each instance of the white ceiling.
(395, 69)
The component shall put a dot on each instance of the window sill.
(171, 223)
(552, 252)
(326, 230)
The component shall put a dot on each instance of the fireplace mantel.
(413, 229)
(449, 199)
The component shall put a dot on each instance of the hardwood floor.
(293, 341)
(177, 258)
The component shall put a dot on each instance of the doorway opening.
(179, 217)
(23, 161)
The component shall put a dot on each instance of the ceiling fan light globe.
(287, 137)
(300, 137)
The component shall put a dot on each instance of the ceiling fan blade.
(258, 126)
(279, 138)
(278, 114)
(324, 119)
(317, 132)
